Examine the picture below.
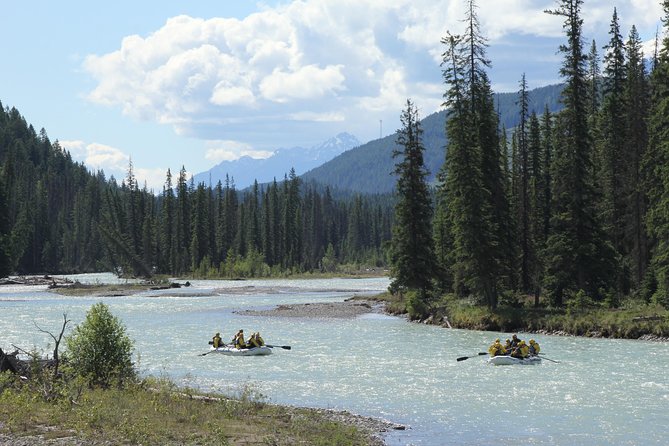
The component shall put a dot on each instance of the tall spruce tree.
(537, 192)
(474, 190)
(412, 260)
(167, 248)
(612, 135)
(578, 258)
(611, 145)
(5, 260)
(523, 207)
(636, 97)
(657, 164)
(547, 138)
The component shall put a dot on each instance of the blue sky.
(170, 83)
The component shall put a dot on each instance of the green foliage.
(579, 301)
(99, 349)
(413, 265)
(329, 261)
(5, 259)
(473, 189)
(418, 304)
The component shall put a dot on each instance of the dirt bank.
(325, 310)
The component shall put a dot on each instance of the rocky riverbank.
(348, 309)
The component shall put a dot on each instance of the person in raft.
(534, 348)
(522, 351)
(497, 349)
(256, 340)
(515, 341)
(238, 340)
(507, 345)
(217, 341)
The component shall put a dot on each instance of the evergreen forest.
(57, 217)
(565, 205)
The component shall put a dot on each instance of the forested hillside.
(367, 168)
(569, 207)
(57, 217)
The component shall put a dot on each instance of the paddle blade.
(285, 347)
(462, 358)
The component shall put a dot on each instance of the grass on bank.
(631, 320)
(155, 412)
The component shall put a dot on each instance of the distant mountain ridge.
(246, 170)
(367, 169)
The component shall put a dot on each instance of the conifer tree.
(474, 189)
(612, 126)
(611, 139)
(594, 80)
(5, 260)
(657, 164)
(412, 259)
(537, 188)
(524, 209)
(578, 258)
(547, 137)
(636, 92)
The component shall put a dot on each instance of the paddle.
(211, 351)
(462, 358)
(285, 347)
(551, 360)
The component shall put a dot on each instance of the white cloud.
(153, 179)
(77, 148)
(101, 156)
(114, 161)
(314, 63)
(308, 82)
(392, 95)
(318, 117)
(218, 151)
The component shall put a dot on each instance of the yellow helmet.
(531, 341)
(497, 340)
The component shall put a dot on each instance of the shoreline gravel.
(348, 309)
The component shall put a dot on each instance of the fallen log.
(6, 363)
(12, 363)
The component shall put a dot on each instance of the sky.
(171, 83)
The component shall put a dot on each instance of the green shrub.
(99, 349)
(418, 304)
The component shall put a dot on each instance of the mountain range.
(368, 168)
(345, 165)
(245, 170)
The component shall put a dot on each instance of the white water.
(611, 392)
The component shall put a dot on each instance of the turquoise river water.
(602, 392)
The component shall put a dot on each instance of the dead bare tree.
(56, 341)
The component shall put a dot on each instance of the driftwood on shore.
(11, 362)
(50, 281)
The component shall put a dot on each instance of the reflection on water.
(601, 392)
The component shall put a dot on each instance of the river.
(613, 392)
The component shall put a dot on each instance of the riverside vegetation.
(583, 317)
(96, 397)
(568, 207)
